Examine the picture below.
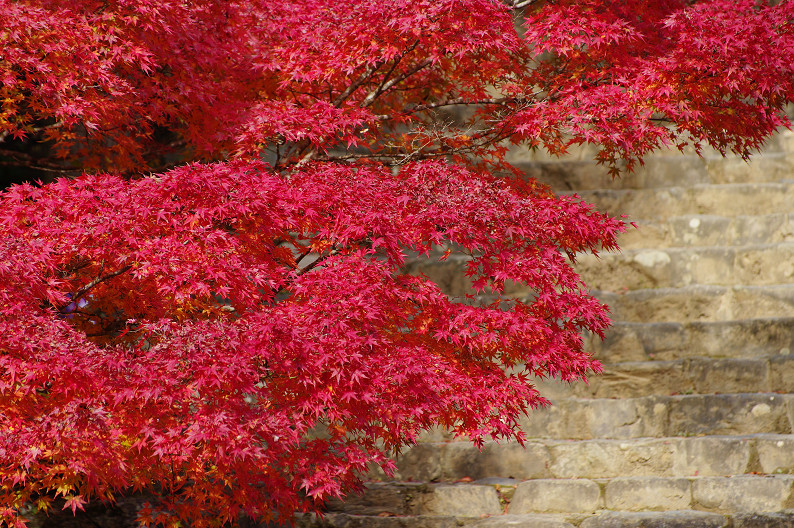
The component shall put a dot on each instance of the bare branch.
(102, 278)
(520, 4)
(364, 77)
(374, 94)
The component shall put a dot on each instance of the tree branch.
(364, 77)
(374, 94)
(102, 278)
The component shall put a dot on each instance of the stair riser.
(661, 416)
(710, 230)
(700, 303)
(666, 457)
(714, 494)
(664, 378)
(663, 170)
(677, 268)
(724, 200)
(755, 338)
(606, 519)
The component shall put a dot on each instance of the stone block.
(701, 303)
(729, 414)
(420, 463)
(781, 368)
(742, 493)
(763, 520)
(611, 458)
(747, 337)
(670, 519)
(711, 456)
(636, 379)
(509, 459)
(648, 493)
(775, 453)
(724, 375)
(549, 495)
(464, 500)
(380, 498)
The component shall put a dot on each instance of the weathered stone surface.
(775, 453)
(601, 418)
(420, 499)
(763, 520)
(695, 357)
(421, 463)
(712, 456)
(742, 493)
(659, 416)
(702, 375)
(780, 372)
(701, 303)
(611, 458)
(719, 199)
(712, 230)
(381, 498)
(459, 500)
(708, 375)
(509, 460)
(693, 230)
(577, 171)
(729, 414)
(608, 458)
(340, 520)
(680, 267)
(647, 493)
(623, 380)
(670, 519)
(665, 341)
(528, 520)
(542, 495)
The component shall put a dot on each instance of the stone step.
(716, 455)
(739, 199)
(744, 493)
(697, 375)
(678, 267)
(602, 519)
(662, 171)
(665, 167)
(700, 303)
(656, 270)
(666, 519)
(666, 341)
(710, 230)
(662, 416)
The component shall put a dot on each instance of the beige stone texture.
(648, 493)
(542, 495)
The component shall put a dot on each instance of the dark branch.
(102, 278)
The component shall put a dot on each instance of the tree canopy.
(214, 308)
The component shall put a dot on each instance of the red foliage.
(241, 337)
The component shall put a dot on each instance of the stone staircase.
(692, 422)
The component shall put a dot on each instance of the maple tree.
(237, 334)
